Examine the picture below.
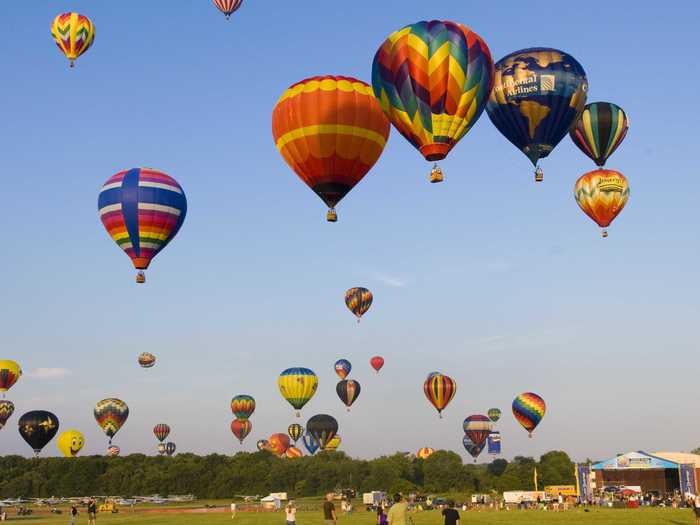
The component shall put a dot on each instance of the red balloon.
(377, 362)
(278, 444)
(241, 428)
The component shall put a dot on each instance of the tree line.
(219, 476)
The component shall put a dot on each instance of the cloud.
(389, 280)
(49, 373)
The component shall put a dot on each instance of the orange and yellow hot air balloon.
(425, 452)
(74, 34)
(439, 389)
(602, 194)
(10, 372)
(330, 131)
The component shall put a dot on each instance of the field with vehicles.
(164, 516)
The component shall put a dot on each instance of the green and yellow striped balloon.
(599, 130)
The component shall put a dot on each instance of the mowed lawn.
(572, 517)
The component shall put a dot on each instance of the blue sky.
(501, 283)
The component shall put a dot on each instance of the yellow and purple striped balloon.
(529, 409)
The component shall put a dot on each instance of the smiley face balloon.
(70, 443)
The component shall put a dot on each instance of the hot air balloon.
(494, 443)
(537, 95)
(295, 431)
(243, 406)
(111, 414)
(37, 428)
(425, 452)
(333, 443)
(262, 444)
(348, 391)
(322, 428)
(278, 444)
(147, 360)
(477, 428)
(10, 372)
(330, 131)
(70, 442)
(227, 7)
(113, 451)
(74, 34)
(161, 431)
(310, 443)
(432, 80)
(472, 448)
(599, 130)
(358, 300)
(342, 368)
(529, 409)
(602, 194)
(297, 386)
(241, 428)
(494, 414)
(439, 389)
(377, 362)
(293, 452)
(7, 408)
(170, 448)
(161, 449)
(142, 210)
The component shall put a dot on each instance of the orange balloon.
(602, 194)
(278, 444)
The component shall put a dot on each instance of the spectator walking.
(329, 516)
(381, 516)
(290, 512)
(92, 512)
(233, 509)
(73, 514)
(398, 511)
(450, 514)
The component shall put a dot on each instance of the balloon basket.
(436, 175)
(332, 216)
(140, 278)
(604, 233)
(539, 175)
(529, 434)
(298, 414)
(72, 64)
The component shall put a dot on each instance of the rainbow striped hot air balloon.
(358, 300)
(297, 385)
(243, 406)
(599, 130)
(330, 130)
(433, 80)
(529, 409)
(111, 414)
(439, 389)
(73, 33)
(142, 209)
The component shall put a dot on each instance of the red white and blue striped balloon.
(227, 7)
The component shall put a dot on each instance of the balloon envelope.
(278, 443)
(424, 453)
(333, 443)
(599, 130)
(241, 428)
(310, 443)
(472, 448)
(377, 362)
(111, 414)
(477, 428)
(147, 360)
(7, 408)
(37, 428)
(227, 7)
(170, 448)
(295, 431)
(243, 406)
(602, 194)
(358, 300)
(322, 428)
(73, 33)
(494, 414)
(10, 372)
(113, 450)
(342, 368)
(439, 389)
(293, 452)
(529, 409)
(348, 391)
(297, 385)
(70, 442)
(161, 431)
(262, 444)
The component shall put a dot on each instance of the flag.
(535, 479)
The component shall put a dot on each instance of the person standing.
(73, 514)
(696, 509)
(381, 516)
(450, 514)
(329, 516)
(233, 509)
(92, 512)
(290, 512)
(398, 511)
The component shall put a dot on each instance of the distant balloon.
(602, 194)
(439, 389)
(358, 300)
(477, 428)
(37, 428)
(227, 7)
(170, 448)
(297, 385)
(110, 415)
(599, 130)
(243, 406)
(310, 443)
(333, 444)
(147, 360)
(537, 95)
(161, 449)
(113, 451)
(472, 448)
(10, 372)
(529, 409)
(431, 374)
(494, 414)
(241, 428)
(70, 442)
(322, 428)
(342, 368)
(293, 452)
(73, 33)
(295, 431)
(142, 209)
(425, 452)
(377, 362)
(348, 391)
(262, 444)
(7, 408)
(278, 444)
(161, 431)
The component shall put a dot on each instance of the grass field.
(573, 517)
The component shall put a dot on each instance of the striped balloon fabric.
(297, 385)
(599, 130)
(477, 428)
(529, 409)
(73, 33)
(227, 7)
(161, 431)
(358, 300)
(439, 389)
(243, 406)
(433, 80)
(111, 414)
(142, 209)
(602, 194)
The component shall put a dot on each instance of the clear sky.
(501, 283)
